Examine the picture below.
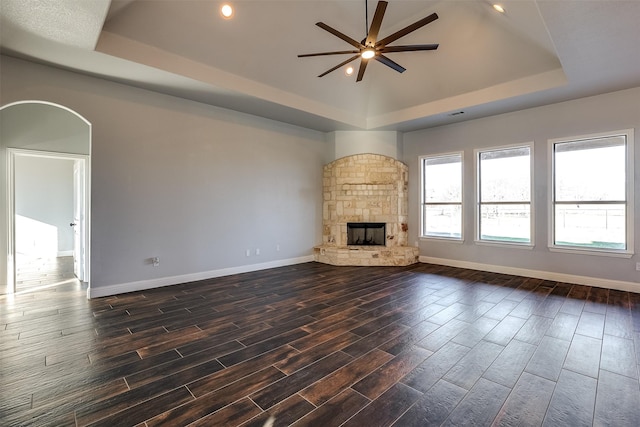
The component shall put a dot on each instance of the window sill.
(442, 239)
(509, 245)
(596, 252)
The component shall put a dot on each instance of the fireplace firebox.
(366, 233)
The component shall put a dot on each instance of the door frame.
(85, 257)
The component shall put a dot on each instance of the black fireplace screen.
(366, 233)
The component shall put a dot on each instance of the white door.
(79, 219)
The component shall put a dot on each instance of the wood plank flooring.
(317, 345)
(33, 273)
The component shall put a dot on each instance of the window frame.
(629, 195)
(423, 203)
(478, 240)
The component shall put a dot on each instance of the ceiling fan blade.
(372, 35)
(363, 67)
(342, 52)
(406, 30)
(340, 65)
(389, 63)
(409, 48)
(338, 34)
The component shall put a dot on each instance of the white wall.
(609, 112)
(349, 143)
(189, 183)
(44, 198)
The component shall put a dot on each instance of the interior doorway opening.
(45, 161)
(49, 219)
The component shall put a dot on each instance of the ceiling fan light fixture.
(499, 8)
(368, 53)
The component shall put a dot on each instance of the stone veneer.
(365, 188)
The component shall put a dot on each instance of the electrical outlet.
(155, 261)
(637, 266)
(248, 253)
(277, 248)
(258, 251)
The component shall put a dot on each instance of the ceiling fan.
(370, 47)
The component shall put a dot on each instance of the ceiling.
(538, 52)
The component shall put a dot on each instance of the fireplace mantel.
(365, 188)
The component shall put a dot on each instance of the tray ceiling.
(537, 52)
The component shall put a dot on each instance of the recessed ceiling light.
(498, 8)
(349, 71)
(226, 11)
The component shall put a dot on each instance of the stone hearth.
(365, 188)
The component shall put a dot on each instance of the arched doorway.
(41, 134)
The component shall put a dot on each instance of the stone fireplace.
(364, 219)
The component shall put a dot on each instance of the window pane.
(592, 170)
(506, 223)
(443, 221)
(443, 179)
(504, 195)
(591, 226)
(505, 175)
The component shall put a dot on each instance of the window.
(592, 198)
(504, 195)
(442, 196)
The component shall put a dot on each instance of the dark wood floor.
(318, 345)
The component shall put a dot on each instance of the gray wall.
(197, 185)
(609, 112)
(44, 193)
(192, 184)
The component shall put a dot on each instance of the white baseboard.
(65, 253)
(121, 288)
(537, 274)
(142, 285)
